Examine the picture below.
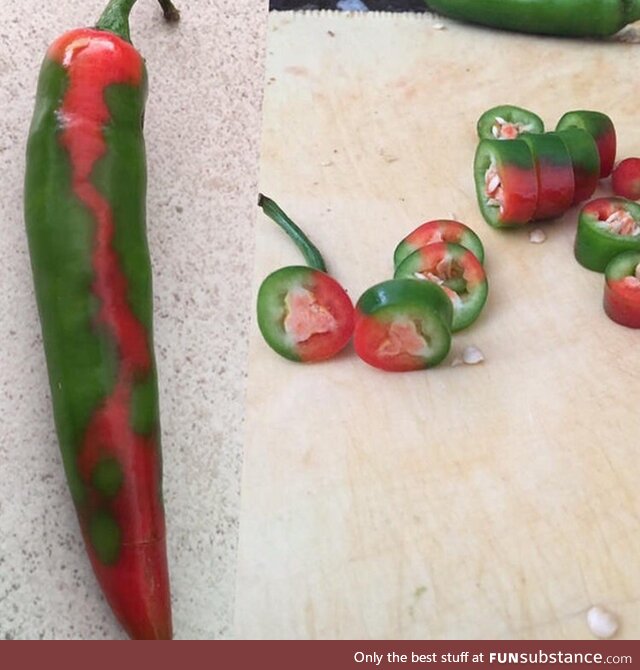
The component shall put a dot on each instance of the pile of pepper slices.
(536, 175)
(522, 174)
(439, 287)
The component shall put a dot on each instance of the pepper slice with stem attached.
(303, 313)
(585, 160)
(606, 228)
(508, 122)
(457, 271)
(403, 325)
(601, 128)
(439, 230)
(554, 171)
(506, 182)
(622, 289)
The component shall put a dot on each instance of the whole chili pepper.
(85, 217)
(303, 313)
(571, 18)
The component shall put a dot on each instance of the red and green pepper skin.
(515, 167)
(601, 128)
(622, 289)
(439, 230)
(457, 271)
(518, 121)
(555, 174)
(323, 326)
(585, 160)
(85, 218)
(403, 325)
(625, 179)
(571, 18)
(596, 245)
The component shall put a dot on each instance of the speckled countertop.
(202, 131)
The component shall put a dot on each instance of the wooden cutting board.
(494, 501)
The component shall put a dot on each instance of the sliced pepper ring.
(606, 228)
(601, 128)
(585, 160)
(622, 289)
(457, 271)
(439, 230)
(555, 174)
(403, 325)
(506, 182)
(508, 122)
(304, 314)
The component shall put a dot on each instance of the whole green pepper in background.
(572, 18)
(85, 217)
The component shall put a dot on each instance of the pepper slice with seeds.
(457, 271)
(508, 122)
(439, 230)
(554, 171)
(506, 182)
(606, 228)
(622, 289)
(403, 325)
(601, 128)
(303, 314)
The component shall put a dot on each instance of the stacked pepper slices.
(398, 325)
(536, 175)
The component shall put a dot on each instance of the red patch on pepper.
(622, 301)
(520, 193)
(555, 190)
(607, 145)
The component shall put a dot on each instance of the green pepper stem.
(115, 17)
(309, 250)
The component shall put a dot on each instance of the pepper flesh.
(571, 18)
(622, 289)
(85, 217)
(606, 228)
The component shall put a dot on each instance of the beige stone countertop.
(202, 133)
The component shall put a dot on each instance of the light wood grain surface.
(499, 500)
